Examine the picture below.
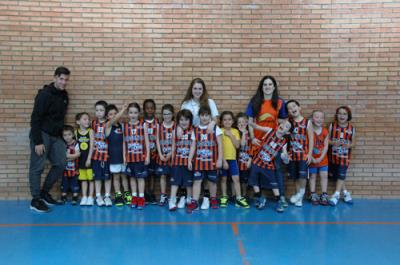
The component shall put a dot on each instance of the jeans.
(279, 174)
(56, 154)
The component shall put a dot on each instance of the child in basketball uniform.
(230, 142)
(300, 150)
(71, 172)
(341, 140)
(116, 154)
(85, 137)
(244, 157)
(207, 159)
(136, 154)
(165, 139)
(262, 173)
(319, 163)
(183, 143)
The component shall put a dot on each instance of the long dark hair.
(189, 93)
(258, 98)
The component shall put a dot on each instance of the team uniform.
(100, 161)
(243, 158)
(152, 126)
(180, 174)
(262, 171)
(165, 140)
(115, 149)
(83, 138)
(135, 149)
(298, 150)
(339, 156)
(71, 171)
(319, 141)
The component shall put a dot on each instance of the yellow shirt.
(229, 148)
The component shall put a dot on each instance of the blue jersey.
(115, 145)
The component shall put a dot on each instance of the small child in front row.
(300, 150)
(71, 172)
(319, 164)
(244, 158)
(230, 142)
(341, 140)
(165, 137)
(262, 173)
(182, 144)
(208, 159)
(136, 154)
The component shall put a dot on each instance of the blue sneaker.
(261, 203)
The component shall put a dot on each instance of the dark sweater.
(48, 112)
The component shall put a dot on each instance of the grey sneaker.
(107, 201)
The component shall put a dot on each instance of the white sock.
(134, 194)
(141, 195)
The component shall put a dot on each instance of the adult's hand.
(40, 149)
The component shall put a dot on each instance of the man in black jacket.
(47, 122)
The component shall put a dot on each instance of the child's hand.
(285, 158)
(162, 158)
(125, 161)
(168, 157)
(190, 166)
(225, 165)
(210, 127)
(256, 142)
(88, 162)
(179, 132)
(219, 163)
(125, 106)
(248, 165)
(147, 161)
(309, 159)
(228, 133)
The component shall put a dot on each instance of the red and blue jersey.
(341, 155)
(318, 148)
(152, 133)
(270, 148)
(134, 141)
(244, 154)
(298, 147)
(165, 139)
(100, 151)
(71, 168)
(182, 148)
(206, 155)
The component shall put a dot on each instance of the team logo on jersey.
(133, 131)
(83, 146)
(273, 144)
(203, 137)
(168, 135)
(100, 129)
(150, 130)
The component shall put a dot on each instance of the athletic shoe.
(119, 200)
(182, 202)
(214, 203)
(74, 200)
(134, 202)
(294, 198)
(314, 198)
(261, 203)
(192, 206)
(323, 200)
(62, 200)
(172, 204)
(334, 200)
(46, 197)
(84, 201)
(140, 203)
(347, 197)
(283, 201)
(90, 201)
(107, 201)
(163, 200)
(205, 204)
(299, 203)
(242, 202)
(279, 207)
(153, 199)
(99, 201)
(127, 197)
(39, 206)
(223, 201)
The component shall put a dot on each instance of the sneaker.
(279, 206)
(134, 202)
(46, 197)
(294, 198)
(119, 200)
(90, 201)
(62, 200)
(153, 199)
(347, 197)
(39, 206)
(261, 203)
(108, 201)
(334, 200)
(163, 200)
(299, 203)
(172, 204)
(140, 203)
(224, 201)
(214, 203)
(283, 201)
(74, 200)
(205, 204)
(314, 198)
(323, 200)
(127, 197)
(242, 202)
(84, 201)
(99, 201)
(182, 202)
(192, 206)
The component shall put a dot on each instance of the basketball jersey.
(341, 155)
(84, 146)
(152, 133)
(206, 155)
(115, 145)
(244, 154)
(319, 141)
(100, 152)
(269, 118)
(134, 141)
(71, 167)
(298, 150)
(165, 138)
(270, 148)
(182, 148)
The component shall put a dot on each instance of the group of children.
(134, 153)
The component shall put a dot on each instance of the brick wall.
(324, 53)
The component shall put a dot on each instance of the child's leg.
(91, 188)
(244, 189)
(223, 185)
(98, 187)
(213, 189)
(324, 181)
(133, 186)
(125, 183)
(174, 190)
(117, 182)
(163, 184)
(107, 186)
(74, 186)
(236, 186)
(84, 188)
(196, 189)
(340, 185)
(313, 180)
(141, 185)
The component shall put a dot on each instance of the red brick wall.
(324, 53)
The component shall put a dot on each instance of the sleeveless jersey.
(298, 150)
(182, 148)
(206, 155)
(134, 141)
(319, 140)
(244, 154)
(115, 144)
(341, 155)
(165, 137)
(269, 118)
(84, 146)
(100, 152)
(71, 168)
(152, 133)
(270, 148)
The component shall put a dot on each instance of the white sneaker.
(99, 201)
(205, 204)
(334, 200)
(90, 201)
(84, 201)
(294, 198)
(182, 202)
(172, 204)
(299, 202)
(347, 197)
(107, 201)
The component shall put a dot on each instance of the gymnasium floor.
(366, 233)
